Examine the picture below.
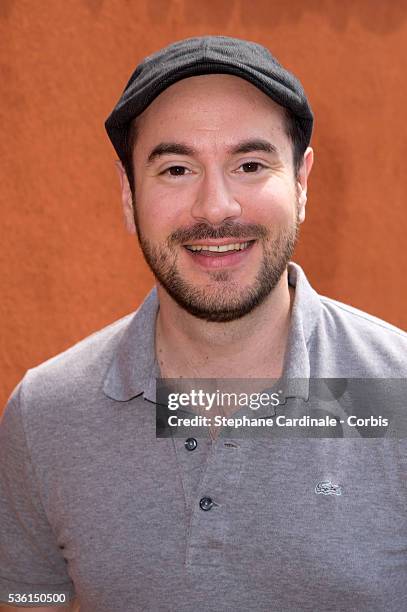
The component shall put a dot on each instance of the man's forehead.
(224, 109)
(205, 122)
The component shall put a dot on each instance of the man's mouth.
(218, 250)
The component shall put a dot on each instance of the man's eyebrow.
(178, 148)
(257, 144)
(170, 148)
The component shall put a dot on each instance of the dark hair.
(127, 160)
(295, 132)
(293, 129)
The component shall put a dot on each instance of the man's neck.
(251, 347)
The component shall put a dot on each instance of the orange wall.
(68, 267)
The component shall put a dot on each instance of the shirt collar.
(304, 317)
(134, 366)
(134, 369)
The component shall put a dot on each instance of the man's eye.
(251, 167)
(175, 171)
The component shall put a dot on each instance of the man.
(213, 138)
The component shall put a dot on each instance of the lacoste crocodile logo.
(327, 488)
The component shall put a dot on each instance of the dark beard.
(229, 302)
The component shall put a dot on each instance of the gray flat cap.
(206, 55)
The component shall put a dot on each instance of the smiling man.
(217, 205)
(212, 136)
(228, 195)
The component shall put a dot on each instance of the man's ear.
(302, 179)
(127, 198)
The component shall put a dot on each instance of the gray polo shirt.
(92, 503)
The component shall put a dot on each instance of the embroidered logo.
(327, 488)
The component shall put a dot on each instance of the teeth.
(238, 246)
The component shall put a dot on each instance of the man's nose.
(215, 201)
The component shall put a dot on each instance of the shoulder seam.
(82, 341)
(370, 318)
(103, 329)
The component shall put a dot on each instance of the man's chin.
(224, 296)
(220, 305)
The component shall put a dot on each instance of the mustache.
(228, 229)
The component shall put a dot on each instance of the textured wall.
(68, 267)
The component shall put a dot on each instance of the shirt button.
(206, 503)
(191, 444)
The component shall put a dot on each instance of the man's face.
(216, 200)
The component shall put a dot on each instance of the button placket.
(191, 465)
(213, 503)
